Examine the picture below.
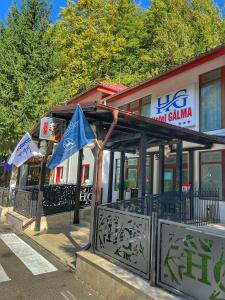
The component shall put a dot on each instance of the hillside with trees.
(43, 64)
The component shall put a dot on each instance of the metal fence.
(25, 203)
(126, 231)
(194, 207)
(4, 197)
(191, 261)
(56, 199)
(124, 238)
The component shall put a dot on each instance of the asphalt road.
(61, 284)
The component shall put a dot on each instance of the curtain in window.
(211, 106)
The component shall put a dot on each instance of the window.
(34, 175)
(170, 172)
(141, 106)
(85, 173)
(59, 175)
(211, 172)
(117, 175)
(131, 173)
(211, 100)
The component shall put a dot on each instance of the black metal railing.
(198, 207)
(56, 199)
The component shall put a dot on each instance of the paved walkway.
(63, 242)
(27, 271)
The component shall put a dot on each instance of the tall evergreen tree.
(27, 67)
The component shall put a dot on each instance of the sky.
(6, 4)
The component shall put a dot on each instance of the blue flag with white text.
(77, 135)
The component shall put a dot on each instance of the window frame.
(220, 78)
(132, 167)
(221, 162)
(83, 167)
(142, 102)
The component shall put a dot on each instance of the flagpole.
(76, 219)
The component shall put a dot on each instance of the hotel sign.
(177, 108)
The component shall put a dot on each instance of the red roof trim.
(107, 88)
(180, 69)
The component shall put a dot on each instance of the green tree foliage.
(95, 40)
(27, 67)
(178, 30)
(115, 40)
(99, 40)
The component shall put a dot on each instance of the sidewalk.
(63, 242)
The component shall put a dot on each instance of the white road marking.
(73, 297)
(68, 295)
(64, 296)
(3, 276)
(36, 263)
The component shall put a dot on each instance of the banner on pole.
(25, 149)
(77, 135)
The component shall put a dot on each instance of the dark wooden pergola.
(125, 132)
(134, 133)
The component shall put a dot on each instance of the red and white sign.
(177, 108)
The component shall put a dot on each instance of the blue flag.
(77, 135)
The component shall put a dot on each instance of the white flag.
(25, 149)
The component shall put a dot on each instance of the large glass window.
(211, 100)
(131, 174)
(211, 172)
(170, 172)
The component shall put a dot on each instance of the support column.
(142, 161)
(121, 186)
(191, 180)
(179, 163)
(161, 168)
(41, 186)
(151, 173)
(191, 168)
(110, 179)
(76, 219)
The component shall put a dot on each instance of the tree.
(99, 41)
(177, 30)
(27, 66)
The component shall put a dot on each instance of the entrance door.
(170, 172)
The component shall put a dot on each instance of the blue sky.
(6, 4)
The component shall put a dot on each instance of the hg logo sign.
(179, 100)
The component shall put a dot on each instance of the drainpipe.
(100, 156)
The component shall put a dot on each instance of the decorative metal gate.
(191, 260)
(124, 238)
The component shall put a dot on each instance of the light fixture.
(43, 147)
(167, 150)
